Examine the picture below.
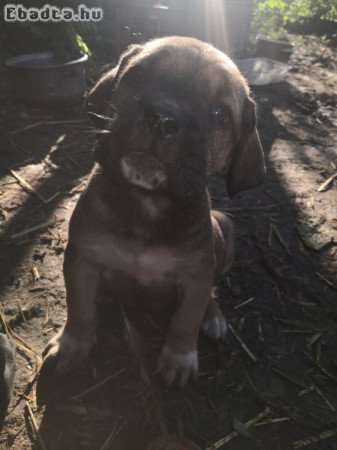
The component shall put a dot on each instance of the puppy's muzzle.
(144, 171)
(163, 120)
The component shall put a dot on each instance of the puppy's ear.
(99, 97)
(247, 167)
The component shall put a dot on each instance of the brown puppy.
(176, 110)
(7, 372)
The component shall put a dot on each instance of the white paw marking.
(178, 367)
(215, 325)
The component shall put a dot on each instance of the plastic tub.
(279, 50)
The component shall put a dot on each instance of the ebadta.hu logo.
(51, 13)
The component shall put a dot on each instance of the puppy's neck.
(153, 206)
(148, 218)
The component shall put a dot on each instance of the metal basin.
(37, 79)
(262, 71)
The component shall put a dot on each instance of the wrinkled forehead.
(195, 65)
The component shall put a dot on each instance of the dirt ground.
(280, 297)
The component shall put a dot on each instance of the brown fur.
(160, 234)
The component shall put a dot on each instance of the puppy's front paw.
(214, 323)
(179, 367)
(67, 352)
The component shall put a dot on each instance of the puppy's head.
(184, 107)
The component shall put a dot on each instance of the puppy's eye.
(220, 115)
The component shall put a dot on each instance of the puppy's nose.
(164, 120)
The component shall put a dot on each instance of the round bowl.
(36, 78)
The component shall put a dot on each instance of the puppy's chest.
(145, 265)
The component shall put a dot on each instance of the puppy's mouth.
(144, 171)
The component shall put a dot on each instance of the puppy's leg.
(7, 372)
(224, 239)
(214, 323)
(69, 349)
(178, 360)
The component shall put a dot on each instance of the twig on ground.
(53, 166)
(46, 224)
(52, 197)
(252, 208)
(301, 324)
(326, 184)
(23, 183)
(19, 341)
(46, 317)
(61, 146)
(110, 438)
(244, 303)
(234, 434)
(270, 234)
(302, 303)
(305, 391)
(280, 238)
(326, 281)
(286, 377)
(28, 127)
(35, 427)
(72, 160)
(18, 147)
(64, 122)
(78, 187)
(321, 368)
(98, 385)
(315, 438)
(243, 345)
(256, 393)
(138, 349)
(314, 339)
(320, 393)
(114, 433)
(269, 421)
(22, 313)
(36, 274)
(296, 331)
(22, 163)
(41, 288)
(318, 352)
(260, 331)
